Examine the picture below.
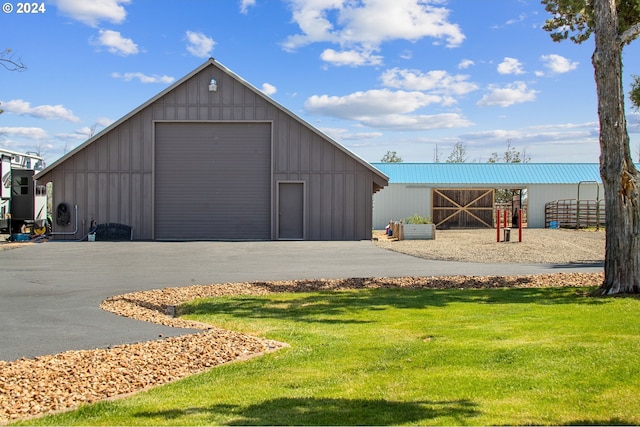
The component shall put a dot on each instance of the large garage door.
(212, 181)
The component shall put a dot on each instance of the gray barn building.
(213, 158)
(462, 195)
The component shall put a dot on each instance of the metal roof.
(490, 173)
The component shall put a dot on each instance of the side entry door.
(291, 210)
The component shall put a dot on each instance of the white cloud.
(465, 63)
(366, 25)
(369, 103)
(511, 21)
(406, 54)
(24, 108)
(532, 136)
(199, 44)
(342, 134)
(386, 109)
(269, 89)
(143, 78)
(25, 132)
(85, 132)
(103, 121)
(352, 58)
(514, 93)
(418, 122)
(245, 4)
(79, 135)
(565, 126)
(115, 43)
(93, 11)
(436, 81)
(510, 66)
(558, 64)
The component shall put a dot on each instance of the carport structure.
(214, 158)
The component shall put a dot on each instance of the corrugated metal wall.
(111, 179)
(399, 201)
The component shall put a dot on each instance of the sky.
(411, 76)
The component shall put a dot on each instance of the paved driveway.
(50, 293)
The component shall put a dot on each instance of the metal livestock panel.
(539, 195)
(212, 181)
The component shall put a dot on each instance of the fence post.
(498, 225)
(520, 225)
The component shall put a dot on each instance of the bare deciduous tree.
(10, 62)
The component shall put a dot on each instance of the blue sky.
(411, 76)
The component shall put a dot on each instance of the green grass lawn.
(407, 357)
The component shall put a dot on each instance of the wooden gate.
(462, 207)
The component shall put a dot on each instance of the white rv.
(22, 204)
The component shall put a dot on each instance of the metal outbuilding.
(412, 186)
(214, 158)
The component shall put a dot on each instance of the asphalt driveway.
(50, 293)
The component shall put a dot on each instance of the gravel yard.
(539, 245)
(31, 387)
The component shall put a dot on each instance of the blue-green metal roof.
(490, 173)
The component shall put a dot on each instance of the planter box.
(419, 231)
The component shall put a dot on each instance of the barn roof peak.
(381, 180)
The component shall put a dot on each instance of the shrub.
(417, 219)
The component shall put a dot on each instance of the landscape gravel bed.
(32, 387)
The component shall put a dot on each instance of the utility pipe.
(67, 233)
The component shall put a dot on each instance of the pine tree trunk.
(619, 175)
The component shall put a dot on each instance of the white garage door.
(212, 181)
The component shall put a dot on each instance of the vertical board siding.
(92, 197)
(111, 179)
(338, 207)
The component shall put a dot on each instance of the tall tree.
(391, 157)
(458, 154)
(614, 25)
